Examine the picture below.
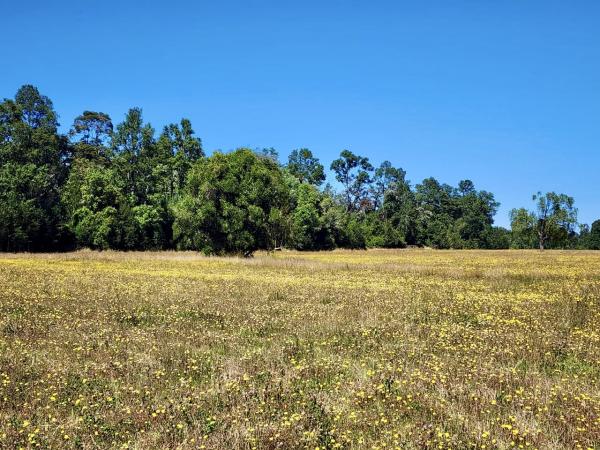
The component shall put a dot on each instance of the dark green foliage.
(305, 167)
(476, 215)
(233, 203)
(386, 178)
(590, 237)
(178, 149)
(497, 238)
(135, 149)
(310, 229)
(435, 214)
(448, 217)
(594, 239)
(32, 167)
(92, 128)
(120, 187)
(522, 225)
(353, 232)
(551, 225)
(353, 172)
(100, 212)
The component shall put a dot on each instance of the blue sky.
(504, 93)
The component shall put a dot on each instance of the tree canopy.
(117, 185)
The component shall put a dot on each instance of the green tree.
(399, 214)
(594, 237)
(476, 210)
(551, 223)
(305, 167)
(33, 165)
(179, 149)
(555, 217)
(232, 203)
(151, 173)
(94, 128)
(135, 149)
(309, 229)
(436, 212)
(90, 135)
(101, 216)
(353, 172)
(497, 238)
(386, 177)
(389, 219)
(522, 225)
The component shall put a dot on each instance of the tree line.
(123, 187)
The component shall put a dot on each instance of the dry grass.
(379, 349)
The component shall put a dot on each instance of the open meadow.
(375, 349)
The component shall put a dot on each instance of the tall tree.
(90, 135)
(353, 172)
(386, 176)
(101, 213)
(306, 167)
(551, 223)
(309, 228)
(93, 128)
(133, 143)
(522, 226)
(594, 237)
(556, 216)
(400, 211)
(33, 166)
(37, 111)
(233, 203)
(144, 167)
(436, 212)
(476, 212)
(179, 149)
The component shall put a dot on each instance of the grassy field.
(377, 350)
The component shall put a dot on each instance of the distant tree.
(390, 222)
(334, 217)
(233, 203)
(551, 223)
(269, 152)
(466, 187)
(522, 225)
(133, 143)
(101, 216)
(497, 238)
(178, 150)
(36, 110)
(448, 217)
(476, 210)
(583, 237)
(386, 177)
(307, 228)
(33, 167)
(353, 232)
(93, 128)
(594, 237)
(184, 141)
(304, 166)
(90, 135)
(556, 216)
(436, 211)
(353, 172)
(400, 212)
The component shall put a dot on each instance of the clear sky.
(504, 93)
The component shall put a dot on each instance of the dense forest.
(123, 187)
